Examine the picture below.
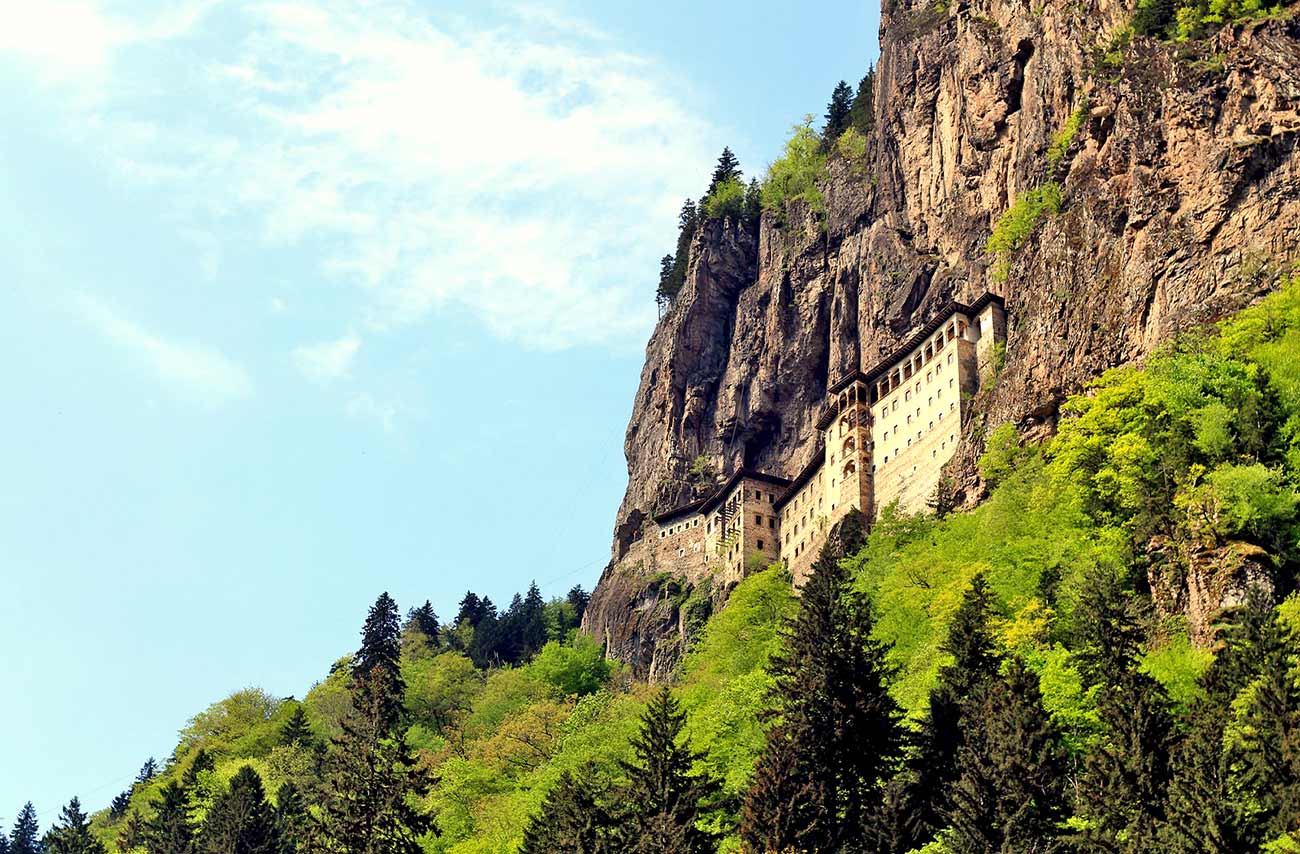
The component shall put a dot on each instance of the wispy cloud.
(328, 360)
(528, 173)
(190, 371)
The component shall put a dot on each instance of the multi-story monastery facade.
(884, 436)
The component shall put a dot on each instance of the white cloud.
(191, 371)
(529, 174)
(328, 360)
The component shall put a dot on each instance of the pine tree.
(1203, 814)
(579, 599)
(71, 833)
(836, 713)
(293, 825)
(132, 834)
(240, 821)
(372, 776)
(4, 844)
(862, 115)
(1010, 795)
(924, 796)
(837, 112)
(471, 609)
(664, 293)
(118, 806)
(25, 838)
(573, 820)
(297, 730)
(666, 799)
(728, 169)
(425, 621)
(147, 771)
(380, 658)
(532, 622)
(1126, 776)
(169, 831)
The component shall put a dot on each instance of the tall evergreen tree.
(471, 609)
(667, 799)
(579, 599)
(4, 844)
(664, 293)
(836, 715)
(296, 729)
(728, 169)
(532, 622)
(1010, 795)
(371, 776)
(425, 621)
(118, 806)
(1126, 775)
(25, 838)
(1202, 813)
(925, 791)
(753, 206)
(240, 821)
(862, 115)
(837, 112)
(147, 771)
(573, 820)
(293, 826)
(71, 833)
(170, 831)
(379, 659)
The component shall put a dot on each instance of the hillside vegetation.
(1021, 673)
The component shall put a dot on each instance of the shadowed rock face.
(1181, 197)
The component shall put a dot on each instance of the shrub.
(1065, 138)
(795, 174)
(1017, 225)
(727, 201)
(851, 145)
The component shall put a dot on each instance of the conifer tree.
(118, 806)
(753, 203)
(836, 714)
(837, 112)
(1202, 813)
(663, 294)
(71, 833)
(471, 609)
(862, 115)
(379, 659)
(425, 621)
(532, 622)
(371, 775)
(728, 168)
(147, 771)
(292, 820)
(579, 599)
(25, 838)
(169, 831)
(1010, 795)
(297, 730)
(132, 834)
(666, 799)
(573, 820)
(924, 796)
(240, 821)
(4, 844)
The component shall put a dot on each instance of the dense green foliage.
(1018, 223)
(795, 174)
(1189, 19)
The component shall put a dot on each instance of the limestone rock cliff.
(1181, 192)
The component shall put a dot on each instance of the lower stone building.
(884, 436)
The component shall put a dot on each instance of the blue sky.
(303, 301)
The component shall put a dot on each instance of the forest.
(1018, 677)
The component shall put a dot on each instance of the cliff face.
(1181, 193)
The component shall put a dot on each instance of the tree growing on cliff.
(666, 798)
(837, 112)
(840, 736)
(862, 115)
(728, 169)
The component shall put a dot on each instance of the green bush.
(1018, 224)
(727, 201)
(1065, 138)
(795, 174)
(851, 145)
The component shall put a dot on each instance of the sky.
(303, 301)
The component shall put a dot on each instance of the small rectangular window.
(760, 545)
(758, 519)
